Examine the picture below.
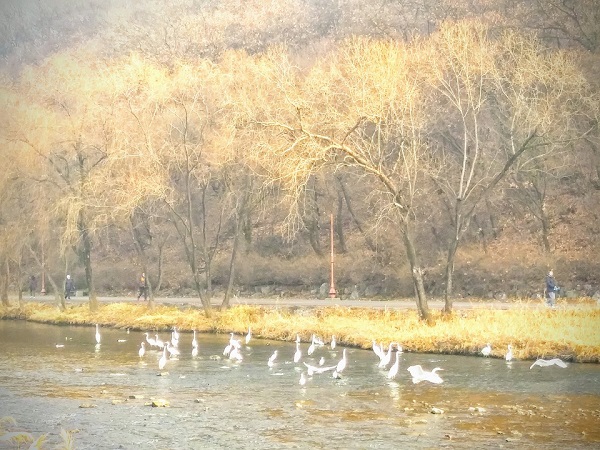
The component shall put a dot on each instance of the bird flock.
(234, 351)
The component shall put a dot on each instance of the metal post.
(332, 291)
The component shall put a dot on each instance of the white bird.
(175, 334)
(150, 341)
(302, 379)
(549, 362)
(318, 341)
(248, 335)
(509, 355)
(97, 334)
(235, 354)
(194, 351)
(485, 351)
(227, 349)
(272, 359)
(142, 350)
(314, 369)
(333, 343)
(394, 369)
(159, 342)
(311, 348)
(235, 343)
(121, 340)
(386, 357)
(194, 341)
(418, 375)
(377, 350)
(342, 364)
(298, 353)
(175, 339)
(174, 351)
(163, 359)
(297, 338)
(322, 361)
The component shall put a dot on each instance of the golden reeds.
(569, 333)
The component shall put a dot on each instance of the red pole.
(332, 291)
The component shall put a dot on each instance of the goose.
(485, 351)
(549, 362)
(418, 375)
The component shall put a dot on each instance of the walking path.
(293, 302)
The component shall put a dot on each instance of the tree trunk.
(4, 287)
(231, 278)
(416, 274)
(449, 275)
(339, 224)
(357, 222)
(85, 257)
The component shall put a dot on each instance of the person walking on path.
(32, 286)
(143, 287)
(69, 287)
(551, 289)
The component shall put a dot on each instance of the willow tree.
(62, 124)
(494, 100)
(357, 108)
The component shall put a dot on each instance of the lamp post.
(332, 291)
(43, 291)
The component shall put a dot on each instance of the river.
(56, 377)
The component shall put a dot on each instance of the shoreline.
(569, 333)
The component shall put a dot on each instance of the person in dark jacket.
(32, 286)
(551, 289)
(143, 287)
(69, 287)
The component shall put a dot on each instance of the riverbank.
(572, 334)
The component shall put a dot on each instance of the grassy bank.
(571, 334)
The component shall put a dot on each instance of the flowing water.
(102, 394)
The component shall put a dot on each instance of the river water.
(56, 377)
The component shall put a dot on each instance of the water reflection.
(219, 403)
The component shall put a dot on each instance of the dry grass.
(570, 333)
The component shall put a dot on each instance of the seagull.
(272, 359)
(509, 356)
(298, 353)
(248, 335)
(163, 359)
(418, 375)
(142, 349)
(394, 369)
(485, 351)
(333, 343)
(97, 334)
(342, 364)
(549, 362)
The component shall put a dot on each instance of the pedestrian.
(143, 287)
(69, 287)
(551, 289)
(32, 286)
